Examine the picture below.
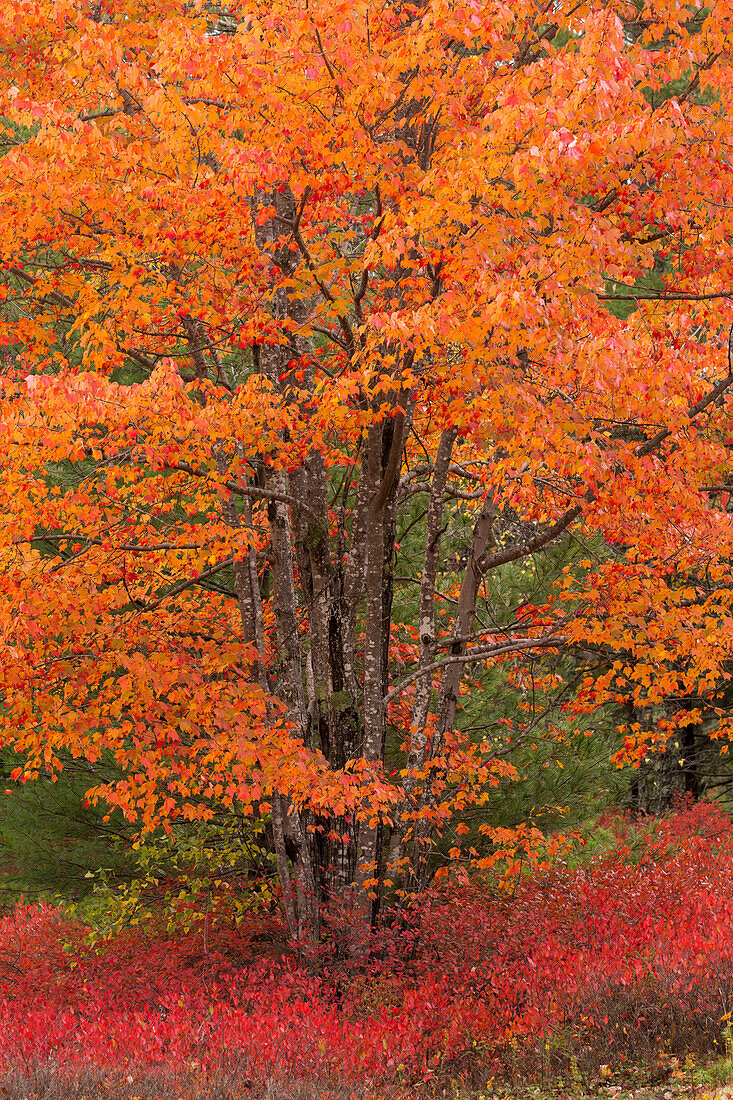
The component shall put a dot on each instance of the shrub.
(624, 957)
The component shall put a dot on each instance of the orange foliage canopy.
(279, 278)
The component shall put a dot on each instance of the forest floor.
(668, 1090)
(712, 1081)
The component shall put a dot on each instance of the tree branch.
(514, 553)
(485, 652)
(665, 296)
(243, 490)
(183, 585)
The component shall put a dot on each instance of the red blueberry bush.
(622, 955)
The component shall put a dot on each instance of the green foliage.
(54, 844)
(562, 760)
(222, 869)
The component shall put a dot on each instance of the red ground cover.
(634, 948)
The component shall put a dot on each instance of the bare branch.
(665, 296)
(481, 654)
(243, 490)
(183, 585)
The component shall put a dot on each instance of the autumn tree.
(282, 281)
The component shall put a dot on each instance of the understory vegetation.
(569, 977)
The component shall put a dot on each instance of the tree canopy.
(299, 297)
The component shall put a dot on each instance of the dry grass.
(52, 1082)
